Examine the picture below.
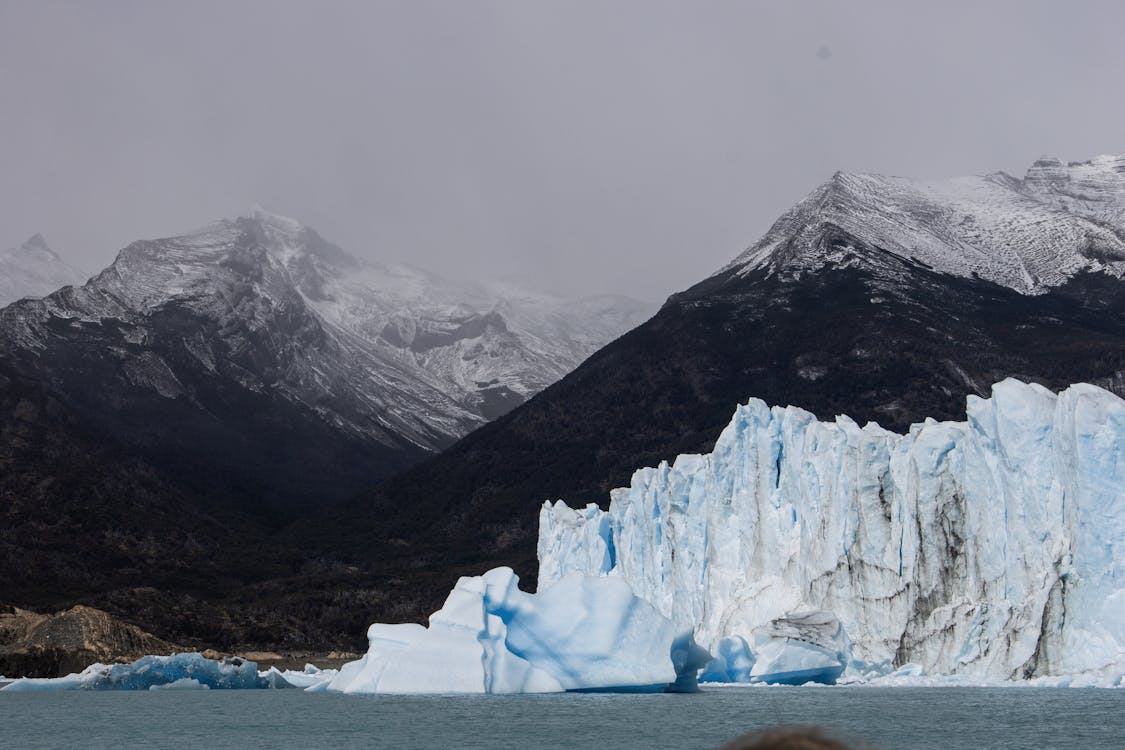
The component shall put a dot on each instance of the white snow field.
(988, 550)
(582, 633)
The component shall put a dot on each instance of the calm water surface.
(887, 718)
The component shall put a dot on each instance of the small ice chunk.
(184, 683)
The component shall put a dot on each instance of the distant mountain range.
(254, 359)
(216, 380)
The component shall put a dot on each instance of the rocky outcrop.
(37, 645)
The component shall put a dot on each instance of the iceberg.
(310, 677)
(178, 671)
(993, 548)
(582, 633)
(801, 648)
(184, 683)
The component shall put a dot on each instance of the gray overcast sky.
(588, 146)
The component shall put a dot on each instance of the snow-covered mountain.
(991, 547)
(1028, 235)
(256, 337)
(32, 270)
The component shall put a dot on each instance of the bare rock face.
(36, 645)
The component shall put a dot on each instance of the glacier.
(991, 549)
(582, 633)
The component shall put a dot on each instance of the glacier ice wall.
(991, 547)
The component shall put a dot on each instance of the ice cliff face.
(33, 270)
(991, 547)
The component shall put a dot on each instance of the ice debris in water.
(582, 633)
(311, 676)
(989, 548)
(178, 670)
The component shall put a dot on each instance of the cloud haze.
(588, 146)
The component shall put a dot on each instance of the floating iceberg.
(177, 671)
(801, 648)
(992, 548)
(310, 677)
(184, 683)
(582, 633)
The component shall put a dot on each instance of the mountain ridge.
(194, 348)
(1029, 235)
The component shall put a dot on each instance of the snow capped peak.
(1029, 234)
(36, 244)
(1094, 188)
(432, 357)
(276, 222)
(32, 270)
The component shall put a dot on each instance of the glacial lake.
(886, 718)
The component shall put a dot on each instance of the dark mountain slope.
(85, 520)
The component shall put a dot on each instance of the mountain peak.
(1028, 235)
(33, 270)
(1094, 188)
(36, 243)
(276, 222)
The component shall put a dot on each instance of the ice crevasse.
(992, 548)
